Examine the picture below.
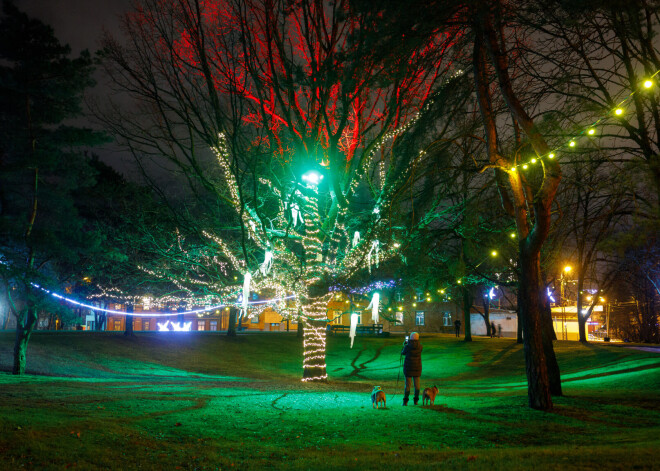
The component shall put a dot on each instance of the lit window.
(146, 325)
(254, 320)
(399, 296)
(201, 325)
(446, 319)
(419, 318)
(419, 296)
(399, 317)
(213, 325)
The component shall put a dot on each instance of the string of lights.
(161, 314)
(617, 112)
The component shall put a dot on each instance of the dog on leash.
(429, 395)
(378, 397)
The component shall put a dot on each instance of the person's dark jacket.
(412, 365)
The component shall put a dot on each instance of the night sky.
(79, 23)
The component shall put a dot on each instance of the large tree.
(527, 197)
(41, 165)
(279, 88)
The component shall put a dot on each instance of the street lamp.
(562, 300)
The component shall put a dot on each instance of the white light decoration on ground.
(163, 326)
(185, 327)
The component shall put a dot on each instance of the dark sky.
(79, 23)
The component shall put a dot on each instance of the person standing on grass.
(492, 330)
(412, 366)
(457, 327)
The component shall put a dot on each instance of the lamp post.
(607, 322)
(564, 274)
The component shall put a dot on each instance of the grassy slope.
(204, 401)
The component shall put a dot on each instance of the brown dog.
(429, 394)
(378, 397)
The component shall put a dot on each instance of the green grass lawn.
(205, 401)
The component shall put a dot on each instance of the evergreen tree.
(41, 165)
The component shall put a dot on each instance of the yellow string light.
(591, 131)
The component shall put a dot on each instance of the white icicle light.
(295, 214)
(356, 238)
(246, 292)
(354, 322)
(268, 263)
(374, 305)
(375, 246)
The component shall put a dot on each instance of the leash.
(396, 388)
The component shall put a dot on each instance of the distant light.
(494, 253)
(648, 83)
(414, 304)
(568, 268)
(525, 166)
(428, 299)
(513, 169)
(591, 132)
(396, 245)
(571, 144)
(551, 155)
(533, 161)
(550, 295)
(513, 235)
(618, 111)
(458, 281)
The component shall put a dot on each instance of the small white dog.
(378, 397)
